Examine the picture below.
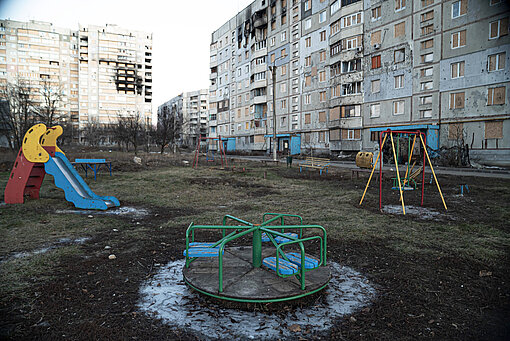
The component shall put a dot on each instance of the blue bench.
(310, 262)
(278, 239)
(93, 164)
(285, 267)
(203, 252)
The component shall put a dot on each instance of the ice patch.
(419, 212)
(119, 211)
(166, 296)
(59, 243)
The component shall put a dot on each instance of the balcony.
(213, 75)
(260, 99)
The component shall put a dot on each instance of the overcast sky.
(182, 31)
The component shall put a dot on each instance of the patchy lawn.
(439, 274)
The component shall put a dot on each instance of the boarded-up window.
(345, 134)
(494, 129)
(314, 71)
(496, 61)
(400, 29)
(496, 96)
(427, 44)
(427, 29)
(376, 62)
(357, 134)
(455, 131)
(259, 138)
(376, 86)
(498, 28)
(334, 114)
(458, 39)
(458, 69)
(322, 116)
(399, 55)
(427, 16)
(334, 135)
(376, 37)
(457, 100)
(322, 136)
(308, 80)
(308, 118)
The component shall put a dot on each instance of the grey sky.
(182, 31)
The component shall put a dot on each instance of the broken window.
(375, 110)
(399, 55)
(335, 48)
(459, 8)
(458, 69)
(376, 86)
(498, 28)
(427, 44)
(376, 13)
(322, 116)
(399, 29)
(375, 37)
(351, 88)
(494, 129)
(398, 107)
(351, 111)
(376, 62)
(458, 39)
(457, 100)
(427, 16)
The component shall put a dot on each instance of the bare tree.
(169, 128)
(48, 111)
(130, 130)
(17, 111)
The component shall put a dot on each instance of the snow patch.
(419, 212)
(167, 297)
(119, 211)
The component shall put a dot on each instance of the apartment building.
(103, 71)
(192, 108)
(348, 69)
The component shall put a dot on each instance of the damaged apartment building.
(102, 71)
(347, 70)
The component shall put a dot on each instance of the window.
(308, 24)
(351, 111)
(458, 39)
(351, 88)
(427, 44)
(335, 91)
(375, 110)
(496, 96)
(425, 30)
(308, 5)
(308, 61)
(457, 100)
(283, 70)
(284, 36)
(498, 28)
(351, 20)
(284, 53)
(273, 41)
(496, 62)
(426, 113)
(322, 76)
(376, 62)
(400, 29)
(424, 100)
(322, 96)
(284, 103)
(427, 16)
(455, 131)
(322, 17)
(308, 42)
(494, 129)
(375, 37)
(351, 65)
(398, 107)
(322, 134)
(284, 19)
(335, 6)
(400, 5)
(427, 58)
(322, 56)
(336, 48)
(352, 42)
(283, 87)
(308, 118)
(376, 86)
(426, 85)
(459, 8)
(425, 72)
(426, 2)
(399, 81)
(323, 35)
(399, 55)
(308, 99)
(376, 13)
(458, 69)
(335, 27)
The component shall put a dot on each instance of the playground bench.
(315, 163)
(93, 164)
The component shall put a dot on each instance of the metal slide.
(76, 190)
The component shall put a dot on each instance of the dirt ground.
(443, 275)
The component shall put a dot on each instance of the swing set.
(209, 152)
(408, 182)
